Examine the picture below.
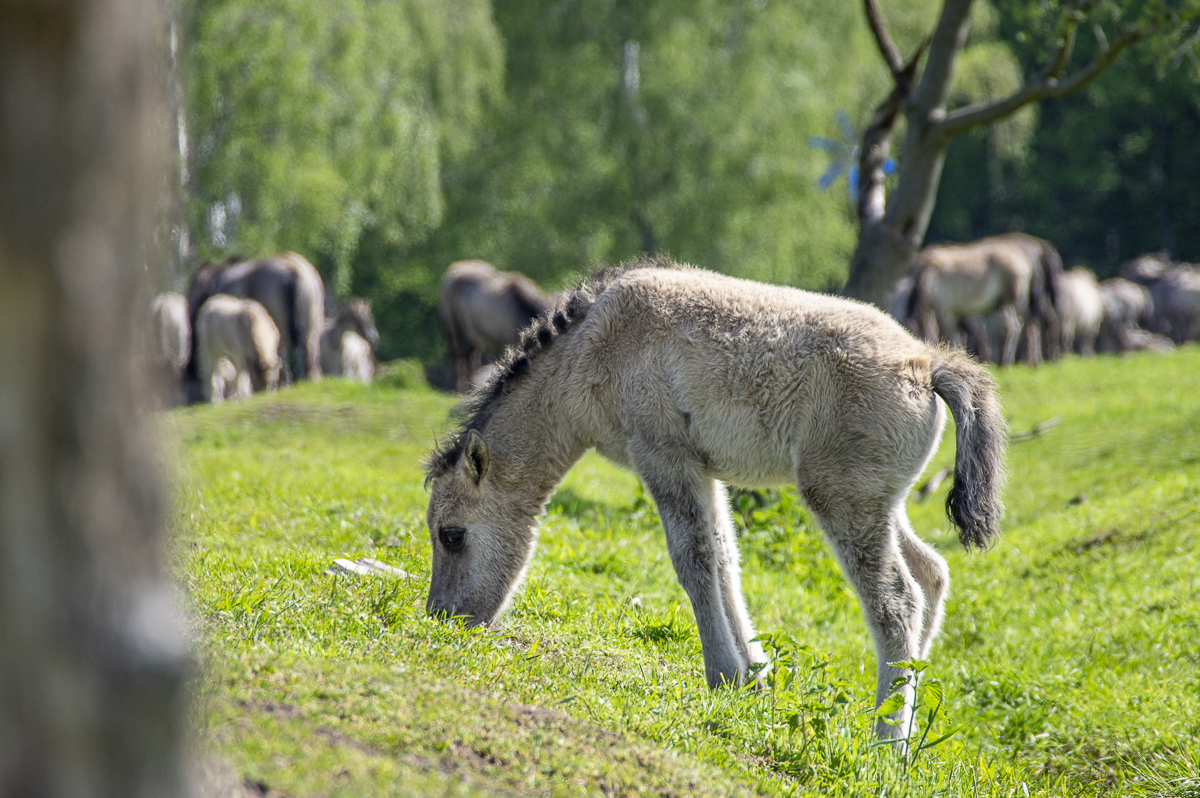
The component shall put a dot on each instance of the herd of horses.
(249, 325)
(1007, 297)
(1003, 298)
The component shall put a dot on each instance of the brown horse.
(484, 310)
(1013, 274)
(1174, 290)
(290, 289)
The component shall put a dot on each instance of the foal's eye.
(452, 537)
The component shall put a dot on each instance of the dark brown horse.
(290, 289)
(484, 310)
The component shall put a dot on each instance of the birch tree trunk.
(92, 655)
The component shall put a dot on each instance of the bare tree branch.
(1047, 85)
(887, 47)
(949, 38)
(873, 151)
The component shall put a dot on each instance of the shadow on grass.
(566, 501)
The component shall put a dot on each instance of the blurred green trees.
(376, 139)
(311, 123)
(385, 139)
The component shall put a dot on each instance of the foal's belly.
(733, 450)
(744, 455)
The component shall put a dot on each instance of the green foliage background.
(386, 139)
(1109, 173)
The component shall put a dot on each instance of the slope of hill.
(1069, 661)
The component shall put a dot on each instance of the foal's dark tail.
(974, 504)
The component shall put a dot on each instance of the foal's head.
(482, 539)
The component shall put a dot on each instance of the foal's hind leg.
(866, 543)
(729, 575)
(931, 573)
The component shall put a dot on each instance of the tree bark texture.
(92, 654)
(886, 243)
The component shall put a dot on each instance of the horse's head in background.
(361, 320)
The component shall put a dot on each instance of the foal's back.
(756, 382)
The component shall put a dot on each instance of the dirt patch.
(277, 711)
(277, 410)
(1113, 537)
(307, 413)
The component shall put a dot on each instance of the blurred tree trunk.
(891, 228)
(92, 654)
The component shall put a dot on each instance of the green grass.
(1069, 659)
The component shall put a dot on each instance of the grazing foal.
(693, 379)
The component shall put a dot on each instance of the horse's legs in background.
(729, 576)
(244, 388)
(977, 329)
(950, 328)
(1087, 342)
(685, 504)
(867, 546)
(1066, 337)
(1033, 339)
(285, 366)
(1010, 326)
(473, 363)
(931, 573)
(929, 326)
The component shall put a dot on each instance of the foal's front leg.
(729, 574)
(685, 504)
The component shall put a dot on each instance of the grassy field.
(1069, 662)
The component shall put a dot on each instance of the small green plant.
(804, 700)
(929, 698)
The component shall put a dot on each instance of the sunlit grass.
(1069, 656)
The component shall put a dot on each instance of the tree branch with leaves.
(891, 228)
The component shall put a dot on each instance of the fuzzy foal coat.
(692, 379)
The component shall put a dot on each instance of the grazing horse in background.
(1080, 310)
(694, 379)
(484, 309)
(241, 331)
(1174, 290)
(347, 342)
(170, 334)
(1127, 306)
(1011, 274)
(168, 346)
(288, 287)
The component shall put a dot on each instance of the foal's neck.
(532, 434)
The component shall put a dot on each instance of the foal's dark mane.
(478, 406)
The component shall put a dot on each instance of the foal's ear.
(475, 456)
